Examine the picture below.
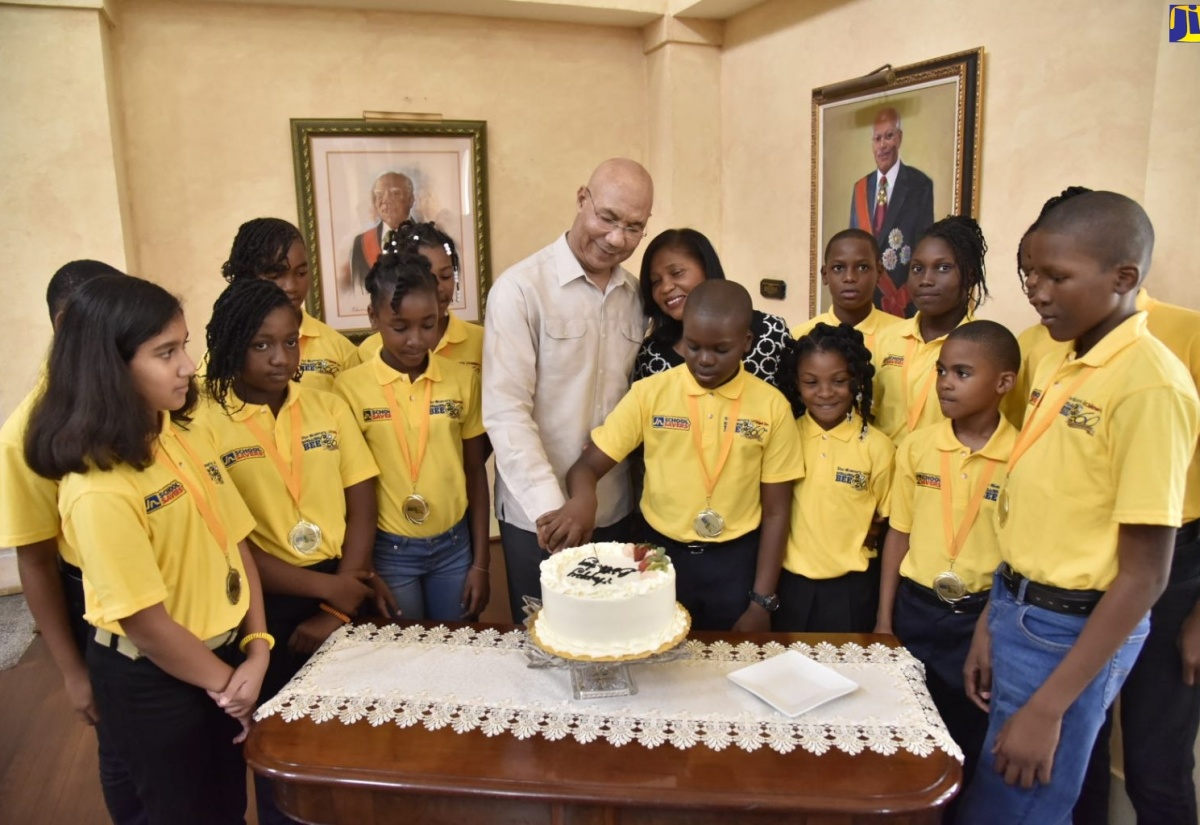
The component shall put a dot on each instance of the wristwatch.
(767, 603)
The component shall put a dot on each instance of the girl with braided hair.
(272, 249)
(298, 459)
(830, 582)
(457, 339)
(421, 414)
(947, 282)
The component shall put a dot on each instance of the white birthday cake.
(609, 601)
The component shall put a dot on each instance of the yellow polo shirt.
(142, 540)
(916, 503)
(462, 342)
(846, 481)
(765, 450)
(28, 503)
(1116, 452)
(324, 353)
(1176, 326)
(455, 414)
(894, 395)
(870, 327)
(335, 457)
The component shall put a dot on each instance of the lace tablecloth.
(481, 680)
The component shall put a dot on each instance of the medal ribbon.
(711, 479)
(202, 491)
(1031, 432)
(414, 468)
(955, 541)
(292, 475)
(914, 413)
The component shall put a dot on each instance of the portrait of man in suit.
(895, 203)
(392, 199)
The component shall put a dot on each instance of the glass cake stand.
(596, 678)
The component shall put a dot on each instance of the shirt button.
(822, 455)
(964, 475)
(710, 415)
(824, 437)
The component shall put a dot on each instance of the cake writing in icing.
(591, 569)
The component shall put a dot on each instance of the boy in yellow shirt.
(940, 553)
(851, 272)
(1087, 517)
(721, 452)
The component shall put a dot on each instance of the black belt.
(973, 603)
(1057, 599)
(1188, 533)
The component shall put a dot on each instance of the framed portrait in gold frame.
(918, 126)
(353, 177)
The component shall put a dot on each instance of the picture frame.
(939, 104)
(350, 173)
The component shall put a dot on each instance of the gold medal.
(1002, 507)
(233, 586)
(416, 509)
(950, 587)
(305, 537)
(708, 523)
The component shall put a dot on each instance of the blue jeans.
(426, 575)
(1028, 643)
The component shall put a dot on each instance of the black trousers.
(939, 635)
(713, 579)
(1160, 715)
(845, 604)
(523, 558)
(175, 742)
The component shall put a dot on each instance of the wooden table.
(334, 773)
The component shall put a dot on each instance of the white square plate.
(792, 683)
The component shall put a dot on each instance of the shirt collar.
(730, 389)
(912, 327)
(1144, 302)
(309, 326)
(844, 431)
(386, 375)
(246, 410)
(567, 267)
(456, 333)
(1127, 332)
(998, 448)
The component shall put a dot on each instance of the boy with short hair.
(722, 452)
(851, 273)
(941, 553)
(1087, 517)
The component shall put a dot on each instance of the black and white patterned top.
(771, 338)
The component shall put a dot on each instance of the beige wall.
(59, 181)
(1074, 93)
(209, 89)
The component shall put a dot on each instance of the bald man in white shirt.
(562, 330)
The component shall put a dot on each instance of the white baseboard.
(10, 582)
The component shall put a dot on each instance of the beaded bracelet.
(333, 611)
(250, 637)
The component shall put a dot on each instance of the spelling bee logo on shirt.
(752, 429)
(324, 440)
(893, 361)
(993, 493)
(214, 472)
(1081, 415)
(857, 479)
(157, 501)
(670, 422)
(320, 365)
(1183, 24)
(448, 407)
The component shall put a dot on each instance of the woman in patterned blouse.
(674, 263)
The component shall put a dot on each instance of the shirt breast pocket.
(565, 348)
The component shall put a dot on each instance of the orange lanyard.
(195, 480)
(711, 479)
(293, 475)
(1032, 431)
(956, 540)
(414, 467)
(914, 412)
